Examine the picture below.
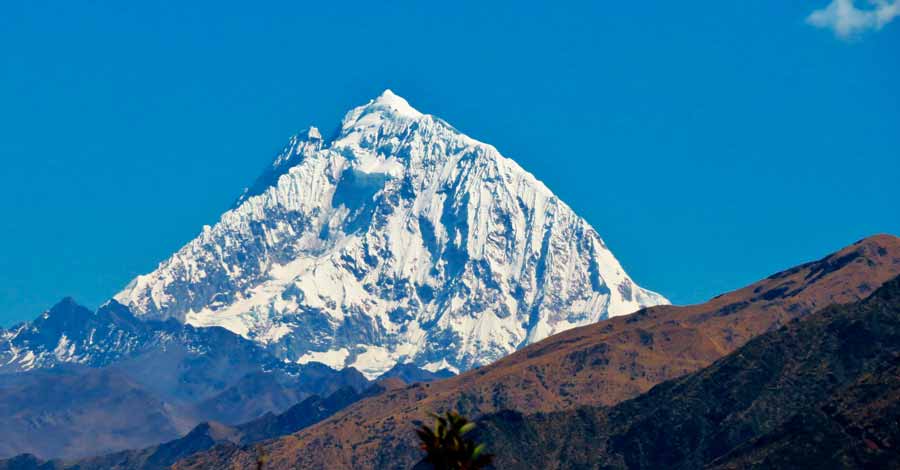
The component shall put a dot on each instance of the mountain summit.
(401, 240)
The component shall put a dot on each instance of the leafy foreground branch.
(447, 448)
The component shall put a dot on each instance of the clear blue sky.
(710, 143)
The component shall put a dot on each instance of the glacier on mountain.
(400, 240)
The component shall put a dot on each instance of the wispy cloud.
(847, 21)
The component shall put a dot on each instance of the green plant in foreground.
(447, 448)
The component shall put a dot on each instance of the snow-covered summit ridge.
(395, 104)
(401, 240)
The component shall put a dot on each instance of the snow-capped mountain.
(71, 334)
(71, 380)
(400, 240)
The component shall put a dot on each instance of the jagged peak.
(66, 306)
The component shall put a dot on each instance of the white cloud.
(846, 20)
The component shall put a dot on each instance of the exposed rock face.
(400, 240)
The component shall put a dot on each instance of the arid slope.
(600, 364)
(821, 392)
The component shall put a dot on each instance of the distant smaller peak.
(67, 303)
(67, 308)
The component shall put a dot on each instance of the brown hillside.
(600, 364)
(822, 393)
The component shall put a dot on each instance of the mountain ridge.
(76, 378)
(207, 435)
(597, 365)
(819, 392)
